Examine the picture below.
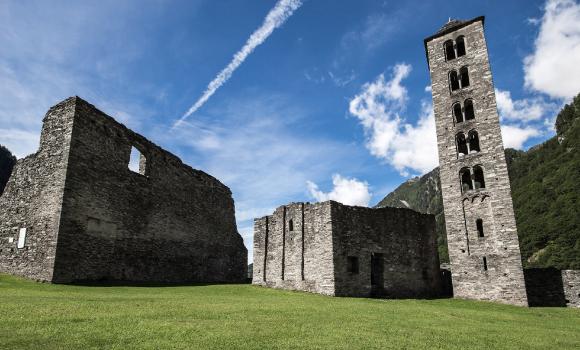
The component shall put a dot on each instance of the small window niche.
(21, 238)
(484, 263)
(478, 177)
(460, 43)
(137, 162)
(352, 264)
(291, 225)
(479, 225)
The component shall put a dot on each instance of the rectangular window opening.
(479, 224)
(290, 225)
(137, 161)
(21, 238)
(484, 263)
(352, 264)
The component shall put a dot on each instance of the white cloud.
(553, 68)
(405, 146)
(515, 137)
(275, 18)
(346, 191)
(521, 110)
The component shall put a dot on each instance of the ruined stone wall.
(405, 238)
(553, 287)
(500, 277)
(571, 284)
(305, 246)
(32, 200)
(544, 287)
(293, 248)
(169, 223)
(90, 218)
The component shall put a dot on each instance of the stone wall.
(571, 284)
(167, 223)
(484, 267)
(298, 257)
(544, 287)
(403, 239)
(32, 200)
(305, 246)
(553, 287)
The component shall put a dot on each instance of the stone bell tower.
(481, 227)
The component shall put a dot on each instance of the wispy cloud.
(275, 18)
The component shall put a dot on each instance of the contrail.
(275, 18)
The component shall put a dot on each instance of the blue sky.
(332, 105)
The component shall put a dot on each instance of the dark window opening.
(291, 225)
(484, 263)
(449, 50)
(352, 264)
(461, 144)
(473, 141)
(464, 75)
(479, 224)
(466, 183)
(460, 44)
(453, 80)
(137, 161)
(469, 112)
(457, 113)
(478, 177)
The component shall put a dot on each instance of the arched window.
(449, 50)
(453, 80)
(464, 76)
(478, 179)
(460, 45)
(479, 225)
(465, 177)
(457, 113)
(290, 225)
(461, 144)
(468, 107)
(473, 138)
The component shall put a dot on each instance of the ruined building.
(74, 211)
(340, 250)
(481, 229)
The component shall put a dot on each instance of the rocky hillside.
(545, 191)
(7, 161)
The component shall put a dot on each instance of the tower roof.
(451, 26)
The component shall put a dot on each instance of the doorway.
(377, 272)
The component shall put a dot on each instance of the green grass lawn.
(44, 316)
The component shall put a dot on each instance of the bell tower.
(481, 229)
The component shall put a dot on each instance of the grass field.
(43, 316)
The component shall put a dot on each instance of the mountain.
(7, 161)
(544, 182)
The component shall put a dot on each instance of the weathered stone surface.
(89, 218)
(502, 279)
(553, 287)
(571, 285)
(307, 247)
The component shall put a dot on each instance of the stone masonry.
(481, 229)
(340, 250)
(75, 212)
